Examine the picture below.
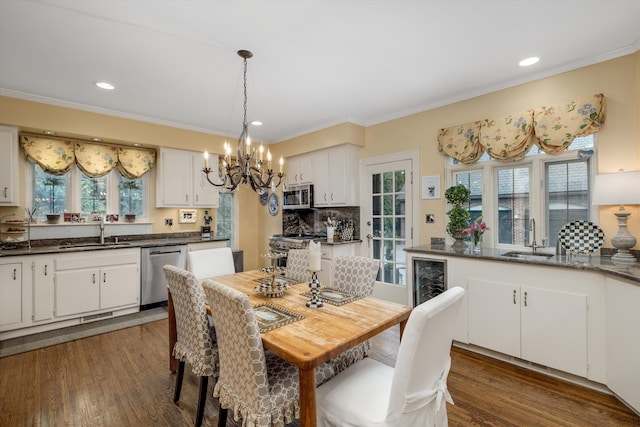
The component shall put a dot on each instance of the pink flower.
(476, 229)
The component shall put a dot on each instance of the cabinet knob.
(514, 296)
(5, 191)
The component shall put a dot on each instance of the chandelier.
(248, 167)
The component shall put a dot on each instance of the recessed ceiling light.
(136, 145)
(105, 85)
(96, 139)
(528, 61)
(256, 123)
(49, 132)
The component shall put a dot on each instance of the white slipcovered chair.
(211, 262)
(357, 276)
(258, 386)
(414, 393)
(298, 265)
(196, 340)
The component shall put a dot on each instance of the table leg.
(402, 326)
(173, 334)
(307, 397)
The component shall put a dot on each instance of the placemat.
(271, 316)
(334, 296)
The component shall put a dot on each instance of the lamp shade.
(620, 188)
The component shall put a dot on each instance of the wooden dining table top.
(324, 332)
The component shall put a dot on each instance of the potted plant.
(52, 182)
(459, 216)
(130, 186)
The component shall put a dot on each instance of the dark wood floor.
(121, 379)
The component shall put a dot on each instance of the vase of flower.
(476, 230)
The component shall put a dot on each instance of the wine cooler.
(429, 279)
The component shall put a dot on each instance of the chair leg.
(222, 417)
(179, 376)
(204, 382)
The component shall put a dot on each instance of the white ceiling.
(315, 64)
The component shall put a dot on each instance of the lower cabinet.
(11, 310)
(329, 253)
(541, 326)
(42, 270)
(89, 283)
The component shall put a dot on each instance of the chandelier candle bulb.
(206, 160)
(281, 163)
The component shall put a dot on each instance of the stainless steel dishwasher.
(153, 289)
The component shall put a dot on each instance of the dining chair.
(298, 265)
(414, 393)
(259, 387)
(355, 275)
(211, 262)
(196, 342)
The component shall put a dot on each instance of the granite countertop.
(602, 264)
(57, 246)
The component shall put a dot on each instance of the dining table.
(320, 335)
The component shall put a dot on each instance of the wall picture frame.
(187, 216)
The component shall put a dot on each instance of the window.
(551, 189)
(225, 218)
(75, 192)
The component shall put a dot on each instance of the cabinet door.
(494, 315)
(174, 179)
(554, 329)
(77, 291)
(299, 170)
(42, 290)
(204, 194)
(119, 286)
(321, 191)
(337, 175)
(9, 177)
(10, 294)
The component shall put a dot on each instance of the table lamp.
(620, 188)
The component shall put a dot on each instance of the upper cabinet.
(299, 170)
(335, 181)
(9, 177)
(180, 181)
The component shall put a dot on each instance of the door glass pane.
(376, 205)
(377, 227)
(376, 183)
(387, 179)
(376, 249)
(399, 184)
(388, 227)
(513, 205)
(400, 228)
(388, 204)
(400, 204)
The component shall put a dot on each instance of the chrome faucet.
(101, 230)
(532, 229)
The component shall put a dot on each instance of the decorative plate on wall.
(264, 197)
(581, 237)
(273, 204)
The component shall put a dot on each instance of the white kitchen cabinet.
(335, 178)
(9, 176)
(299, 170)
(329, 253)
(86, 283)
(42, 271)
(11, 313)
(623, 340)
(542, 326)
(180, 182)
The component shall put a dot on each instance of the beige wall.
(618, 141)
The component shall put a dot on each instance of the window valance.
(509, 138)
(56, 156)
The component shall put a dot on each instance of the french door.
(388, 224)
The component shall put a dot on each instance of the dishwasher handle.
(162, 252)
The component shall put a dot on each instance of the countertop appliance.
(280, 243)
(153, 289)
(297, 196)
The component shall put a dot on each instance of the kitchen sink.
(94, 245)
(528, 255)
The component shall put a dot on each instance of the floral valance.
(509, 138)
(461, 142)
(56, 156)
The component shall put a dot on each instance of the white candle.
(315, 256)
(281, 163)
(206, 160)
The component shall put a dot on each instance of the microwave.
(297, 197)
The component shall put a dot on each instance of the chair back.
(211, 262)
(355, 274)
(298, 265)
(194, 343)
(243, 370)
(418, 389)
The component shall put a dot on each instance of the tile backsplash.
(312, 221)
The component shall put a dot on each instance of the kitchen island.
(572, 317)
